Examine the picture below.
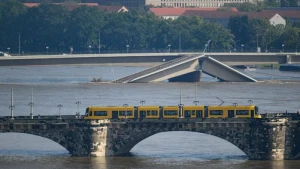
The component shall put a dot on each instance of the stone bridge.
(259, 139)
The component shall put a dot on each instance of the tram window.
(242, 112)
(91, 113)
(142, 112)
(216, 112)
(148, 113)
(187, 112)
(198, 112)
(123, 113)
(100, 113)
(154, 113)
(170, 112)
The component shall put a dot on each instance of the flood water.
(54, 85)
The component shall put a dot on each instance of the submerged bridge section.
(187, 69)
(259, 139)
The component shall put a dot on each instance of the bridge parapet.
(260, 139)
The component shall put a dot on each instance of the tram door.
(142, 114)
(230, 113)
(114, 114)
(199, 114)
(187, 113)
(252, 113)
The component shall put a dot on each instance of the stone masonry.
(259, 139)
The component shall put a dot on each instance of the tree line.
(53, 28)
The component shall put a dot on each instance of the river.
(54, 85)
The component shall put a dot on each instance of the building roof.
(179, 11)
(113, 8)
(226, 15)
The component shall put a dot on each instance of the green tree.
(46, 27)
(83, 28)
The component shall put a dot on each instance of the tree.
(239, 27)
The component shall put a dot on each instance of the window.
(216, 112)
(100, 113)
(170, 112)
(242, 112)
(123, 113)
(91, 113)
(148, 113)
(154, 113)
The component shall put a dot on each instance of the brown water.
(65, 85)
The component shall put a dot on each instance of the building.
(174, 13)
(169, 3)
(211, 14)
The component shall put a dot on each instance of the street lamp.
(169, 47)
(47, 49)
(242, 45)
(267, 46)
(19, 43)
(282, 47)
(235, 104)
(235, 44)
(142, 102)
(125, 105)
(31, 104)
(127, 46)
(8, 50)
(59, 106)
(77, 113)
(297, 46)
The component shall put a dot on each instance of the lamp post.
(31, 104)
(282, 47)
(125, 105)
(242, 45)
(78, 103)
(47, 49)
(235, 44)
(267, 46)
(235, 104)
(19, 43)
(127, 47)
(8, 50)
(12, 104)
(142, 102)
(297, 46)
(99, 42)
(59, 106)
(169, 48)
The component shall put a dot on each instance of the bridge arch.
(238, 136)
(194, 143)
(51, 137)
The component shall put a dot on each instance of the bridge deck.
(156, 69)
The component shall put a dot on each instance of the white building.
(194, 3)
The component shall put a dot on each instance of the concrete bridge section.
(186, 69)
(134, 58)
(259, 139)
(223, 72)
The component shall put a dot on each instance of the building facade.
(168, 3)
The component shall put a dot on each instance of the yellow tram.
(171, 112)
